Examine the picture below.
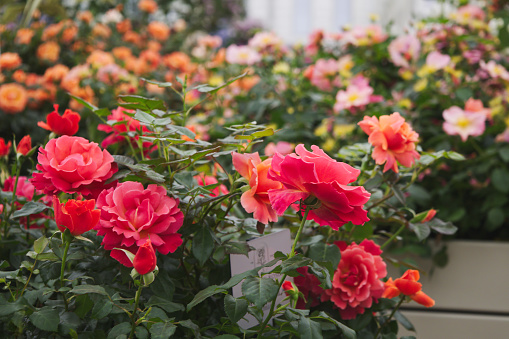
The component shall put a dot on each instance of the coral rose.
(9, 60)
(13, 98)
(131, 214)
(49, 51)
(149, 6)
(145, 260)
(314, 174)
(158, 30)
(76, 215)
(256, 200)
(408, 285)
(67, 124)
(393, 139)
(356, 283)
(71, 165)
(25, 145)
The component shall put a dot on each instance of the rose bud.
(145, 260)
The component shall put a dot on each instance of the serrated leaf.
(235, 308)
(122, 328)
(323, 252)
(160, 84)
(168, 306)
(399, 195)
(422, 230)
(347, 331)
(31, 207)
(404, 321)
(294, 262)
(84, 289)
(102, 308)
(162, 330)
(40, 244)
(46, 319)
(442, 227)
(260, 291)
(203, 245)
(192, 326)
(84, 103)
(309, 329)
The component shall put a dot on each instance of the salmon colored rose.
(315, 177)
(66, 124)
(158, 30)
(256, 200)
(13, 98)
(356, 284)
(131, 214)
(408, 285)
(49, 51)
(9, 60)
(149, 6)
(145, 260)
(4, 148)
(73, 165)
(393, 139)
(78, 216)
(25, 145)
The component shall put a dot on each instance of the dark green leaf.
(84, 289)
(260, 291)
(442, 226)
(203, 245)
(46, 319)
(101, 308)
(204, 294)
(309, 329)
(500, 180)
(7, 308)
(226, 336)
(235, 308)
(398, 194)
(144, 118)
(69, 321)
(31, 207)
(421, 230)
(192, 326)
(162, 330)
(166, 305)
(84, 305)
(122, 328)
(323, 252)
(496, 217)
(141, 332)
(40, 244)
(294, 262)
(347, 331)
(504, 153)
(404, 321)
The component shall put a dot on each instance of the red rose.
(145, 260)
(356, 283)
(67, 124)
(76, 215)
(4, 148)
(73, 165)
(131, 214)
(25, 145)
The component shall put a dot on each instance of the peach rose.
(9, 60)
(158, 30)
(13, 98)
(24, 36)
(49, 51)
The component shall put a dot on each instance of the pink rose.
(256, 200)
(314, 174)
(131, 214)
(356, 283)
(71, 165)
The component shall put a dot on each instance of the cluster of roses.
(318, 187)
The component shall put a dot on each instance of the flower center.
(463, 122)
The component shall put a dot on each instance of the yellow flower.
(425, 71)
(342, 130)
(281, 67)
(290, 110)
(421, 85)
(405, 103)
(407, 75)
(329, 144)
(216, 80)
(321, 130)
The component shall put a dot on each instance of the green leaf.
(421, 230)
(203, 245)
(496, 217)
(464, 93)
(265, 133)
(442, 227)
(404, 321)
(323, 252)
(69, 321)
(160, 84)
(84, 305)
(84, 103)
(192, 326)
(145, 104)
(141, 332)
(309, 329)
(166, 305)
(398, 194)
(162, 330)
(144, 118)
(122, 328)
(235, 308)
(226, 336)
(347, 331)
(204, 294)
(210, 89)
(46, 319)
(454, 156)
(7, 308)
(31, 207)
(84, 289)
(40, 244)
(102, 308)
(260, 291)
(500, 180)
(294, 262)
(504, 153)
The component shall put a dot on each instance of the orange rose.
(56, 73)
(9, 60)
(101, 30)
(124, 26)
(132, 37)
(19, 76)
(69, 33)
(49, 51)
(52, 31)
(121, 53)
(13, 98)
(24, 36)
(149, 6)
(153, 46)
(100, 58)
(85, 16)
(177, 61)
(158, 30)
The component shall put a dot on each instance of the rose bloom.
(315, 176)
(357, 95)
(131, 214)
(9, 60)
(149, 6)
(325, 74)
(205, 180)
(256, 200)
(408, 285)
(76, 215)
(66, 124)
(122, 52)
(242, 55)
(73, 165)
(404, 49)
(177, 61)
(49, 51)
(436, 60)
(13, 98)
(282, 147)
(24, 36)
(158, 30)
(356, 284)
(25, 145)
(394, 140)
(55, 73)
(466, 14)
(495, 70)
(309, 285)
(265, 40)
(473, 105)
(145, 260)
(4, 148)
(100, 58)
(463, 123)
